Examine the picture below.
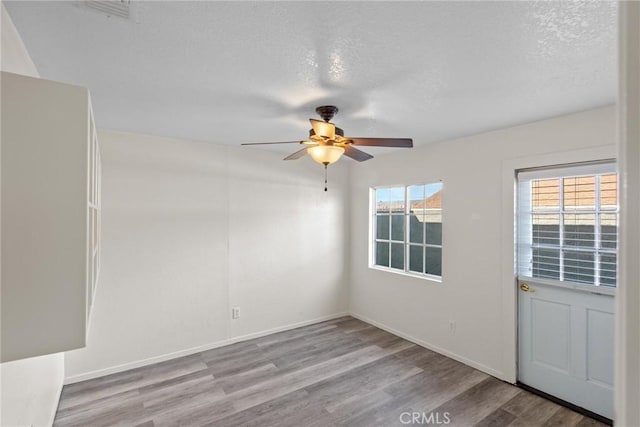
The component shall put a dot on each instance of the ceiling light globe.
(325, 154)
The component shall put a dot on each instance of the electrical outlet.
(452, 326)
(235, 313)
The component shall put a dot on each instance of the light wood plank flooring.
(342, 372)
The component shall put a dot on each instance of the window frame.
(561, 173)
(406, 242)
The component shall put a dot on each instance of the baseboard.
(222, 343)
(454, 356)
(181, 353)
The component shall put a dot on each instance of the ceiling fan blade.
(356, 154)
(383, 142)
(269, 143)
(322, 128)
(296, 155)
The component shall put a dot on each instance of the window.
(568, 224)
(407, 229)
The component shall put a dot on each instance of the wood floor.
(342, 372)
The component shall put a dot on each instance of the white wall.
(30, 388)
(628, 303)
(191, 229)
(477, 289)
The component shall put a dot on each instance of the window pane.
(609, 192)
(434, 231)
(545, 195)
(608, 269)
(382, 227)
(382, 254)
(578, 267)
(580, 193)
(546, 263)
(545, 229)
(416, 228)
(416, 259)
(397, 255)
(433, 261)
(608, 230)
(433, 214)
(579, 229)
(416, 213)
(397, 199)
(571, 230)
(432, 189)
(382, 200)
(397, 227)
(416, 196)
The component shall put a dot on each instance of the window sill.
(582, 287)
(435, 279)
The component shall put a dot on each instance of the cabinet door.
(45, 134)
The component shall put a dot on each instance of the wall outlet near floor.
(235, 313)
(452, 326)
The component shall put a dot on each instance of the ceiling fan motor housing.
(327, 112)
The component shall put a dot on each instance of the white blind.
(567, 226)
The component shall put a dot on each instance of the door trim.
(627, 386)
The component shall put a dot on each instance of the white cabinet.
(50, 223)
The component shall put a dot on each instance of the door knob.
(526, 288)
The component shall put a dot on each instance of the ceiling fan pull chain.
(325, 176)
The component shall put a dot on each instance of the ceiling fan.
(327, 143)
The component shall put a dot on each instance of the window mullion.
(596, 234)
(374, 232)
(390, 227)
(406, 243)
(424, 230)
(406, 229)
(561, 228)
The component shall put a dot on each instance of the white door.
(566, 343)
(567, 268)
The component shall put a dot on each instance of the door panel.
(550, 331)
(566, 344)
(600, 327)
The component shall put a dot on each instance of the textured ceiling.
(232, 72)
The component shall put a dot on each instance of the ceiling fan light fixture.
(324, 129)
(326, 143)
(325, 154)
